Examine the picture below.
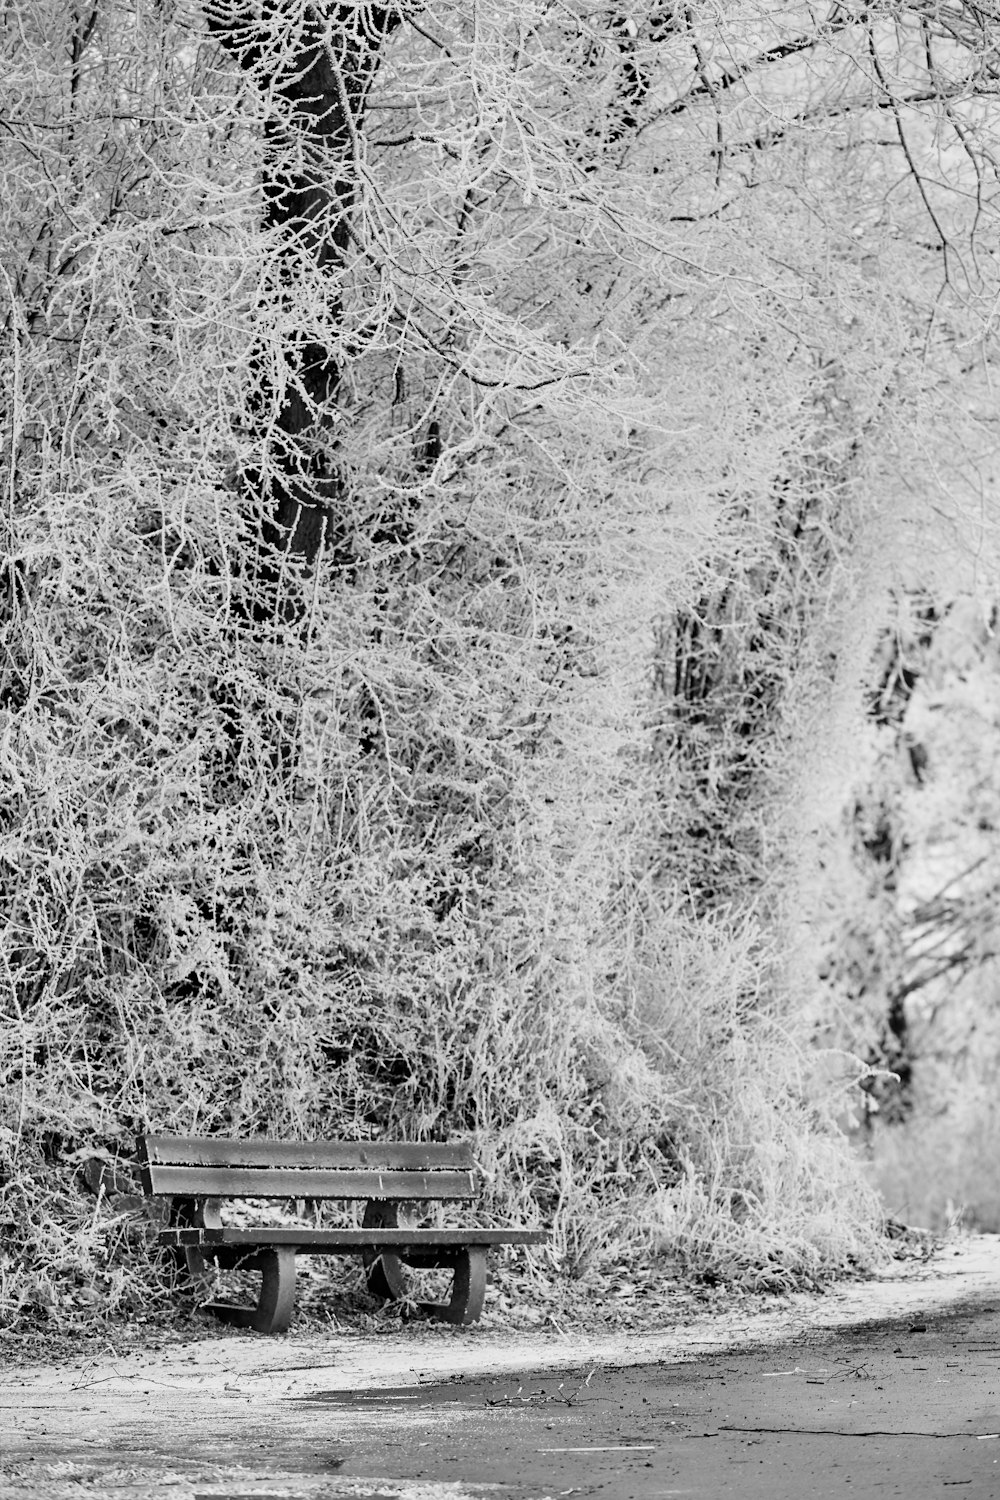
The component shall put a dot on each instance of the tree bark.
(315, 64)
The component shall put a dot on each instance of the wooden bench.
(196, 1173)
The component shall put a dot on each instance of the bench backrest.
(209, 1167)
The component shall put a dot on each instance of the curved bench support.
(273, 1312)
(468, 1290)
(387, 1279)
(383, 1270)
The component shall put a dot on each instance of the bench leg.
(387, 1279)
(383, 1270)
(468, 1289)
(273, 1312)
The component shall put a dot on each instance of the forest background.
(499, 602)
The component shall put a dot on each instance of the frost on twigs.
(438, 448)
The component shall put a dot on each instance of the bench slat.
(210, 1151)
(251, 1182)
(322, 1239)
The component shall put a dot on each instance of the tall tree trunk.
(314, 63)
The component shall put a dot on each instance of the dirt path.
(755, 1403)
(904, 1408)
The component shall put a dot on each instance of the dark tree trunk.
(315, 64)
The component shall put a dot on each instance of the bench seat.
(318, 1241)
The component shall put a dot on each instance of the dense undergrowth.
(470, 818)
(431, 927)
(435, 924)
